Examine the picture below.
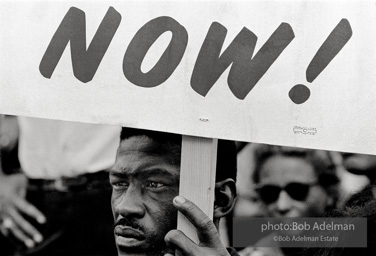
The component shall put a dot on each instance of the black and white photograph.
(187, 128)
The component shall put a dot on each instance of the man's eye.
(120, 184)
(153, 184)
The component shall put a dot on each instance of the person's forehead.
(282, 170)
(139, 143)
(144, 143)
(142, 153)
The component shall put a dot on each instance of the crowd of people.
(83, 189)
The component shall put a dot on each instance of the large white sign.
(298, 73)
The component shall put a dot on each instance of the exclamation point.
(337, 39)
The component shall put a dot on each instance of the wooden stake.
(197, 177)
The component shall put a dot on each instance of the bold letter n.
(73, 29)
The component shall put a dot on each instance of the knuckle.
(190, 207)
(206, 224)
(5, 202)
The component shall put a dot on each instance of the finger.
(25, 226)
(29, 209)
(19, 234)
(3, 230)
(206, 230)
(176, 239)
(23, 189)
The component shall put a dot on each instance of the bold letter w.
(245, 70)
(73, 29)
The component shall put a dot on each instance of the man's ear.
(225, 195)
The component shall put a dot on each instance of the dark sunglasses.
(297, 191)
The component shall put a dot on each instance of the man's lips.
(128, 232)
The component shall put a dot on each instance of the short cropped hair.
(226, 153)
(320, 160)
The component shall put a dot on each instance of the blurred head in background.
(295, 182)
(248, 203)
(361, 164)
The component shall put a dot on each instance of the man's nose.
(131, 203)
(283, 203)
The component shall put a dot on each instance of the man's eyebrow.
(117, 173)
(143, 173)
(154, 172)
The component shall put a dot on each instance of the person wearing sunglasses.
(292, 183)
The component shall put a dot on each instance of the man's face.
(144, 184)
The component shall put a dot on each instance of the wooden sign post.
(197, 177)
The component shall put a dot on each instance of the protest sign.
(296, 73)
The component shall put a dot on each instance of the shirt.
(50, 149)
